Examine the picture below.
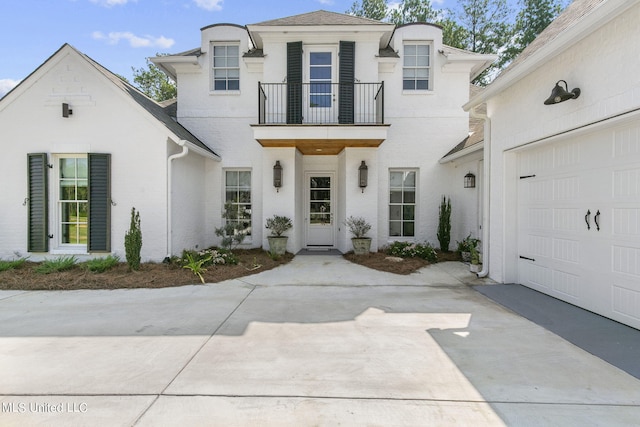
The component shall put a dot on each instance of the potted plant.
(474, 267)
(358, 226)
(277, 242)
(464, 247)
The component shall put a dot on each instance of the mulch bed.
(380, 261)
(150, 275)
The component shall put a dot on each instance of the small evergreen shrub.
(358, 226)
(56, 265)
(133, 241)
(229, 233)
(100, 265)
(413, 250)
(212, 256)
(444, 224)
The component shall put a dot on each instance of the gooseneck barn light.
(560, 94)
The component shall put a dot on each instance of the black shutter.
(38, 203)
(346, 80)
(294, 83)
(99, 229)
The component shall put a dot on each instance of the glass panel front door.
(320, 207)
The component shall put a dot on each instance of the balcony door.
(321, 90)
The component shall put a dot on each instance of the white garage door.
(579, 221)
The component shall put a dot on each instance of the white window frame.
(402, 203)
(249, 237)
(59, 247)
(213, 68)
(415, 67)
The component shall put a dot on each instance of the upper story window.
(226, 67)
(416, 66)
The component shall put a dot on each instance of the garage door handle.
(587, 219)
(596, 218)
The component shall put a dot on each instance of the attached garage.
(578, 218)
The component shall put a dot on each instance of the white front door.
(579, 221)
(321, 92)
(320, 207)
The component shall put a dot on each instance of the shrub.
(358, 226)
(213, 256)
(10, 265)
(467, 243)
(444, 224)
(100, 265)
(413, 250)
(278, 225)
(133, 241)
(229, 232)
(56, 265)
(197, 266)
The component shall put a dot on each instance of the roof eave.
(462, 153)
(587, 25)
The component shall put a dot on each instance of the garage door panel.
(579, 221)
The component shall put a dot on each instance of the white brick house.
(320, 94)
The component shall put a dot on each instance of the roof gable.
(319, 17)
(157, 111)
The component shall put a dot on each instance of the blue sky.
(120, 34)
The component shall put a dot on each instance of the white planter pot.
(475, 268)
(361, 246)
(277, 245)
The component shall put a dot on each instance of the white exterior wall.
(423, 128)
(604, 65)
(103, 121)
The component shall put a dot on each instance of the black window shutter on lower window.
(99, 228)
(38, 203)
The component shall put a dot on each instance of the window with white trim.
(238, 195)
(416, 71)
(402, 203)
(225, 67)
(73, 200)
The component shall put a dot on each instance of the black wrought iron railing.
(320, 103)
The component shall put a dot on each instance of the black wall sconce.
(277, 175)
(469, 180)
(560, 94)
(66, 110)
(363, 175)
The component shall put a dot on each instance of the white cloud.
(109, 3)
(326, 2)
(6, 85)
(209, 4)
(134, 41)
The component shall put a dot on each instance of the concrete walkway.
(319, 341)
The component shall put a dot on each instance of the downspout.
(170, 159)
(486, 182)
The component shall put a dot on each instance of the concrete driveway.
(319, 341)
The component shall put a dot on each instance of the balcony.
(320, 117)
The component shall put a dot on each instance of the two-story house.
(318, 117)
(322, 116)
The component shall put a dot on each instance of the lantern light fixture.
(469, 180)
(277, 175)
(363, 175)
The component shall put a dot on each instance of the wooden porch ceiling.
(320, 147)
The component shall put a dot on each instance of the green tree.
(533, 17)
(414, 11)
(133, 241)
(488, 30)
(372, 9)
(154, 83)
(453, 34)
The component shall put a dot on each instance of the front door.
(321, 90)
(320, 209)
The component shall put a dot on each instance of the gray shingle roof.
(572, 14)
(320, 17)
